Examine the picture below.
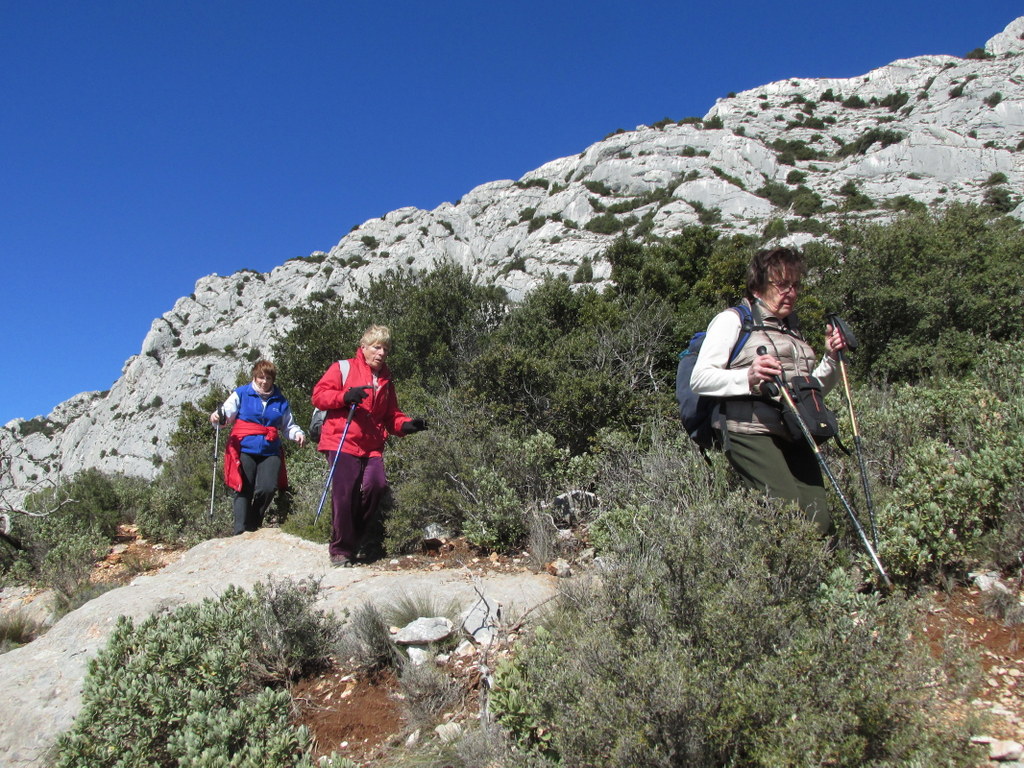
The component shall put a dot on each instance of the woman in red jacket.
(366, 391)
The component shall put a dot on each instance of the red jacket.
(233, 453)
(374, 419)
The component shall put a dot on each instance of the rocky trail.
(361, 718)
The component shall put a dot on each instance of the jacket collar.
(384, 374)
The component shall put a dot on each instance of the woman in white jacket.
(758, 444)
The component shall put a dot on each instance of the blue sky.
(145, 143)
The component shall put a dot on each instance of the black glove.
(356, 395)
(416, 425)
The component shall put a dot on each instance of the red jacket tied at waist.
(233, 453)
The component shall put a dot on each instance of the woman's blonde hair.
(376, 334)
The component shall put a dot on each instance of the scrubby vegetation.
(203, 685)
(721, 632)
(718, 631)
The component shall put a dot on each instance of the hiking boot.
(342, 561)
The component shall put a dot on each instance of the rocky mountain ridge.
(791, 156)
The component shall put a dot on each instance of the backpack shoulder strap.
(746, 326)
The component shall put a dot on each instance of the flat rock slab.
(42, 681)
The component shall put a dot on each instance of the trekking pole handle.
(844, 330)
(770, 388)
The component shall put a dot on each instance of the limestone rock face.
(932, 129)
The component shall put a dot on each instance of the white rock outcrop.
(935, 129)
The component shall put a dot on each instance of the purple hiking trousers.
(357, 490)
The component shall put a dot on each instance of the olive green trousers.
(783, 469)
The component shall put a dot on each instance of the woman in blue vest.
(254, 457)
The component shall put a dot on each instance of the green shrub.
(474, 477)
(598, 188)
(806, 202)
(855, 199)
(197, 351)
(736, 182)
(176, 508)
(719, 633)
(80, 519)
(775, 228)
(905, 203)
(542, 183)
(894, 101)
(950, 472)
(979, 53)
(863, 143)
(775, 193)
(329, 295)
(518, 264)
(438, 320)
(1000, 199)
(605, 224)
(584, 272)
(494, 518)
(511, 709)
(797, 148)
(307, 476)
(192, 685)
(37, 425)
(886, 278)
(706, 216)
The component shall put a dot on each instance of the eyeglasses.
(786, 287)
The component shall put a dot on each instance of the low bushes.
(202, 685)
(474, 477)
(947, 459)
(721, 632)
(79, 520)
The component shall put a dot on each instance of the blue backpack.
(699, 412)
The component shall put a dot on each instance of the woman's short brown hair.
(264, 368)
(774, 260)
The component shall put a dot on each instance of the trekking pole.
(851, 343)
(330, 475)
(216, 451)
(828, 473)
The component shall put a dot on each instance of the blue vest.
(269, 413)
